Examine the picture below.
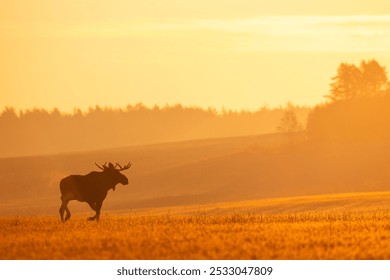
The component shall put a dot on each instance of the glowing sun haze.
(234, 54)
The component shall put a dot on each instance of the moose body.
(91, 188)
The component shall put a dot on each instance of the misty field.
(307, 235)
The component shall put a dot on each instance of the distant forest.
(357, 111)
(358, 107)
(38, 131)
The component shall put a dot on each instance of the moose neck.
(108, 181)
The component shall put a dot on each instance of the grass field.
(224, 231)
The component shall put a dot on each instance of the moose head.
(114, 172)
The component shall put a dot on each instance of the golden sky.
(238, 54)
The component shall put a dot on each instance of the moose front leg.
(98, 206)
(92, 204)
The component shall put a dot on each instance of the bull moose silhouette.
(91, 188)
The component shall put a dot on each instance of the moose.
(91, 188)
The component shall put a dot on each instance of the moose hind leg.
(67, 217)
(63, 208)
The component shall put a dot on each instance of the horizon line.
(142, 106)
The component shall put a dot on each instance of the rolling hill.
(199, 172)
(327, 204)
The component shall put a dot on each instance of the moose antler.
(127, 166)
(104, 166)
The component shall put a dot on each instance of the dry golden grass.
(305, 235)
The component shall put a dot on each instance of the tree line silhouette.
(39, 131)
(358, 107)
(357, 110)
